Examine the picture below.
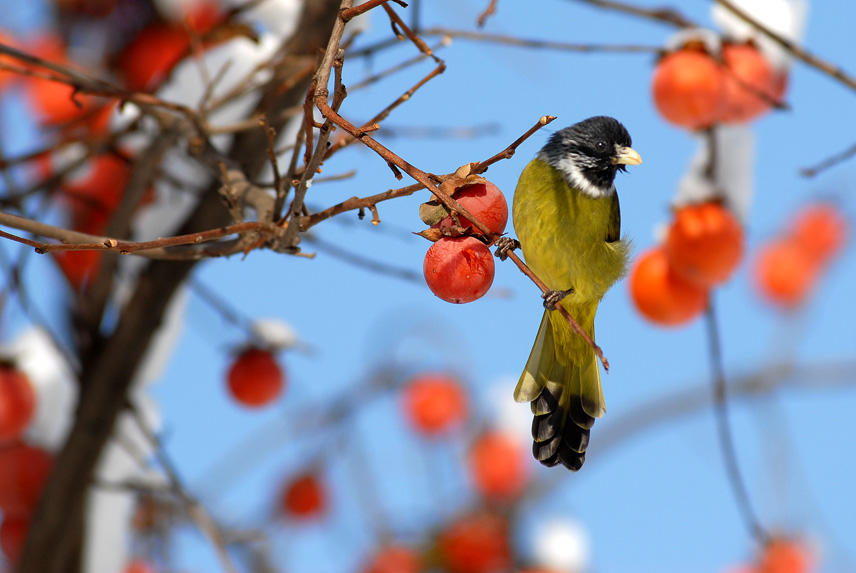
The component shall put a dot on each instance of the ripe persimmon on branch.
(222, 184)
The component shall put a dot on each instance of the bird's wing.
(540, 361)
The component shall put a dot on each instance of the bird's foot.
(504, 245)
(553, 297)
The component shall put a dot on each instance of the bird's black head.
(590, 153)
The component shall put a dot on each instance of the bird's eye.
(600, 146)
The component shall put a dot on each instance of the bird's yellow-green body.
(570, 240)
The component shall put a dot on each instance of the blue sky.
(658, 500)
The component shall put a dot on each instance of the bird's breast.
(562, 233)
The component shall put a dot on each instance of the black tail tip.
(567, 448)
(564, 456)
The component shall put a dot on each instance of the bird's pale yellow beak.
(627, 156)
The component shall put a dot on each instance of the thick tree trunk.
(56, 532)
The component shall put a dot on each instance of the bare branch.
(830, 162)
(541, 44)
(488, 12)
(664, 15)
(793, 49)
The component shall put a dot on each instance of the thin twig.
(417, 41)
(85, 242)
(664, 15)
(355, 203)
(351, 13)
(359, 260)
(195, 509)
(221, 305)
(726, 440)
(488, 12)
(789, 46)
(541, 44)
(509, 151)
(271, 139)
(829, 162)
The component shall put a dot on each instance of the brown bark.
(56, 532)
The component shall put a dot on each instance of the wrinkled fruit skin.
(486, 203)
(689, 89)
(459, 269)
(661, 295)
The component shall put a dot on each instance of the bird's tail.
(562, 382)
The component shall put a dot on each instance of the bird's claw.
(504, 245)
(553, 297)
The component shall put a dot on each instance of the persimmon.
(147, 60)
(394, 559)
(255, 378)
(689, 88)
(94, 198)
(459, 269)
(55, 102)
(785, 272)
(13, 533)
(476, 543)
(150, 57)
(704, 244)
(7, 76)
(486, 203)
(138, 566)
(90, 8)
(17, 401)
(78, 267)
(434, 403)
(661, 295)
(784, 556)
(304, 497)
(497, 466)
(751, 83)
(202, 15)
(822, 229)
(23, 471)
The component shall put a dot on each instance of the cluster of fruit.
(24, 468)
(435, 404)
(703, 247)
(459, 267)
(788, 267)
(91, 193)
(695, 89)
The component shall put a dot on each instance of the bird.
(567, 220)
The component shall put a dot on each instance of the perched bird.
(568, 223)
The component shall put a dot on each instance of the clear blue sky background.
(658, 501)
